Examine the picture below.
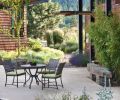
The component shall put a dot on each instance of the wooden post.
(25, 22)
(108, 6)
(92, 51)
(80, 27)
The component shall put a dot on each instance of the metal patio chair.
(50, 67)
(55, 76)
(11, 71)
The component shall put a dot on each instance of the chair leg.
(48, 82)
(17, 81)
(13, 80)
(44, 82)
(31, 82)
(25, 77)
(25, 81)
(56, 83)
(61, 82)
(6, 81)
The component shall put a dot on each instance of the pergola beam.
(92, 51)
(70, 13)
(80, 2)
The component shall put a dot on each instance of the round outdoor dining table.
(29, 68)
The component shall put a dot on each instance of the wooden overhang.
(70, 13)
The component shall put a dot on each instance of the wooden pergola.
(80, 12)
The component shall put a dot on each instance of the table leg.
(31, 76)
(31, 82)
(28, 78)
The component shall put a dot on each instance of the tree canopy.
(43, 17)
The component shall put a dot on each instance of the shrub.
(8, 55)
(105, 33)
(49, 37)
(57, 46)
(42, 56)
(71, 36)
(57, 36)
(35, 44)
(78, 59)
(69, 47)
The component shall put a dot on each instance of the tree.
(43, 17)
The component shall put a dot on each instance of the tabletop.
(28, 66)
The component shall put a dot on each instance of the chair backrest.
(60, 68)
(20, 61)
(53, 63)
(8, 65)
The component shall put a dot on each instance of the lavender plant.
(105, 94)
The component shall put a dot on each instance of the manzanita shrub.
(105, 34)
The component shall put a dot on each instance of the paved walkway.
(74, 79)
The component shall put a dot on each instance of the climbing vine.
(15, 8)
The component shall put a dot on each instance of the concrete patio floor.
(74, 79)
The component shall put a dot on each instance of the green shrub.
(49, 37)
(71, 35)
(42, 56)
(69, 47)
(8, 55)
(105, 33)
(57, 36)
(57, 46)
(35, 44)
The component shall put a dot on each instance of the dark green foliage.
(69, 47)
(105, 33)
(57, 36)
(49, 37)
(66, 47)
(54, 37)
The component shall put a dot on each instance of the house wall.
(7, 42)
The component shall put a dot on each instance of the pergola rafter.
(70, 13)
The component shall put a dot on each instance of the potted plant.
(33, 62)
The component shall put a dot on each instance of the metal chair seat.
(46, 71)
(13, 73)
(56, 75)
(51, 67)
(11, 70)
(51, 76)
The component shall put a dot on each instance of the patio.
(74, 79)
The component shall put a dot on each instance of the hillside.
(72, 5)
